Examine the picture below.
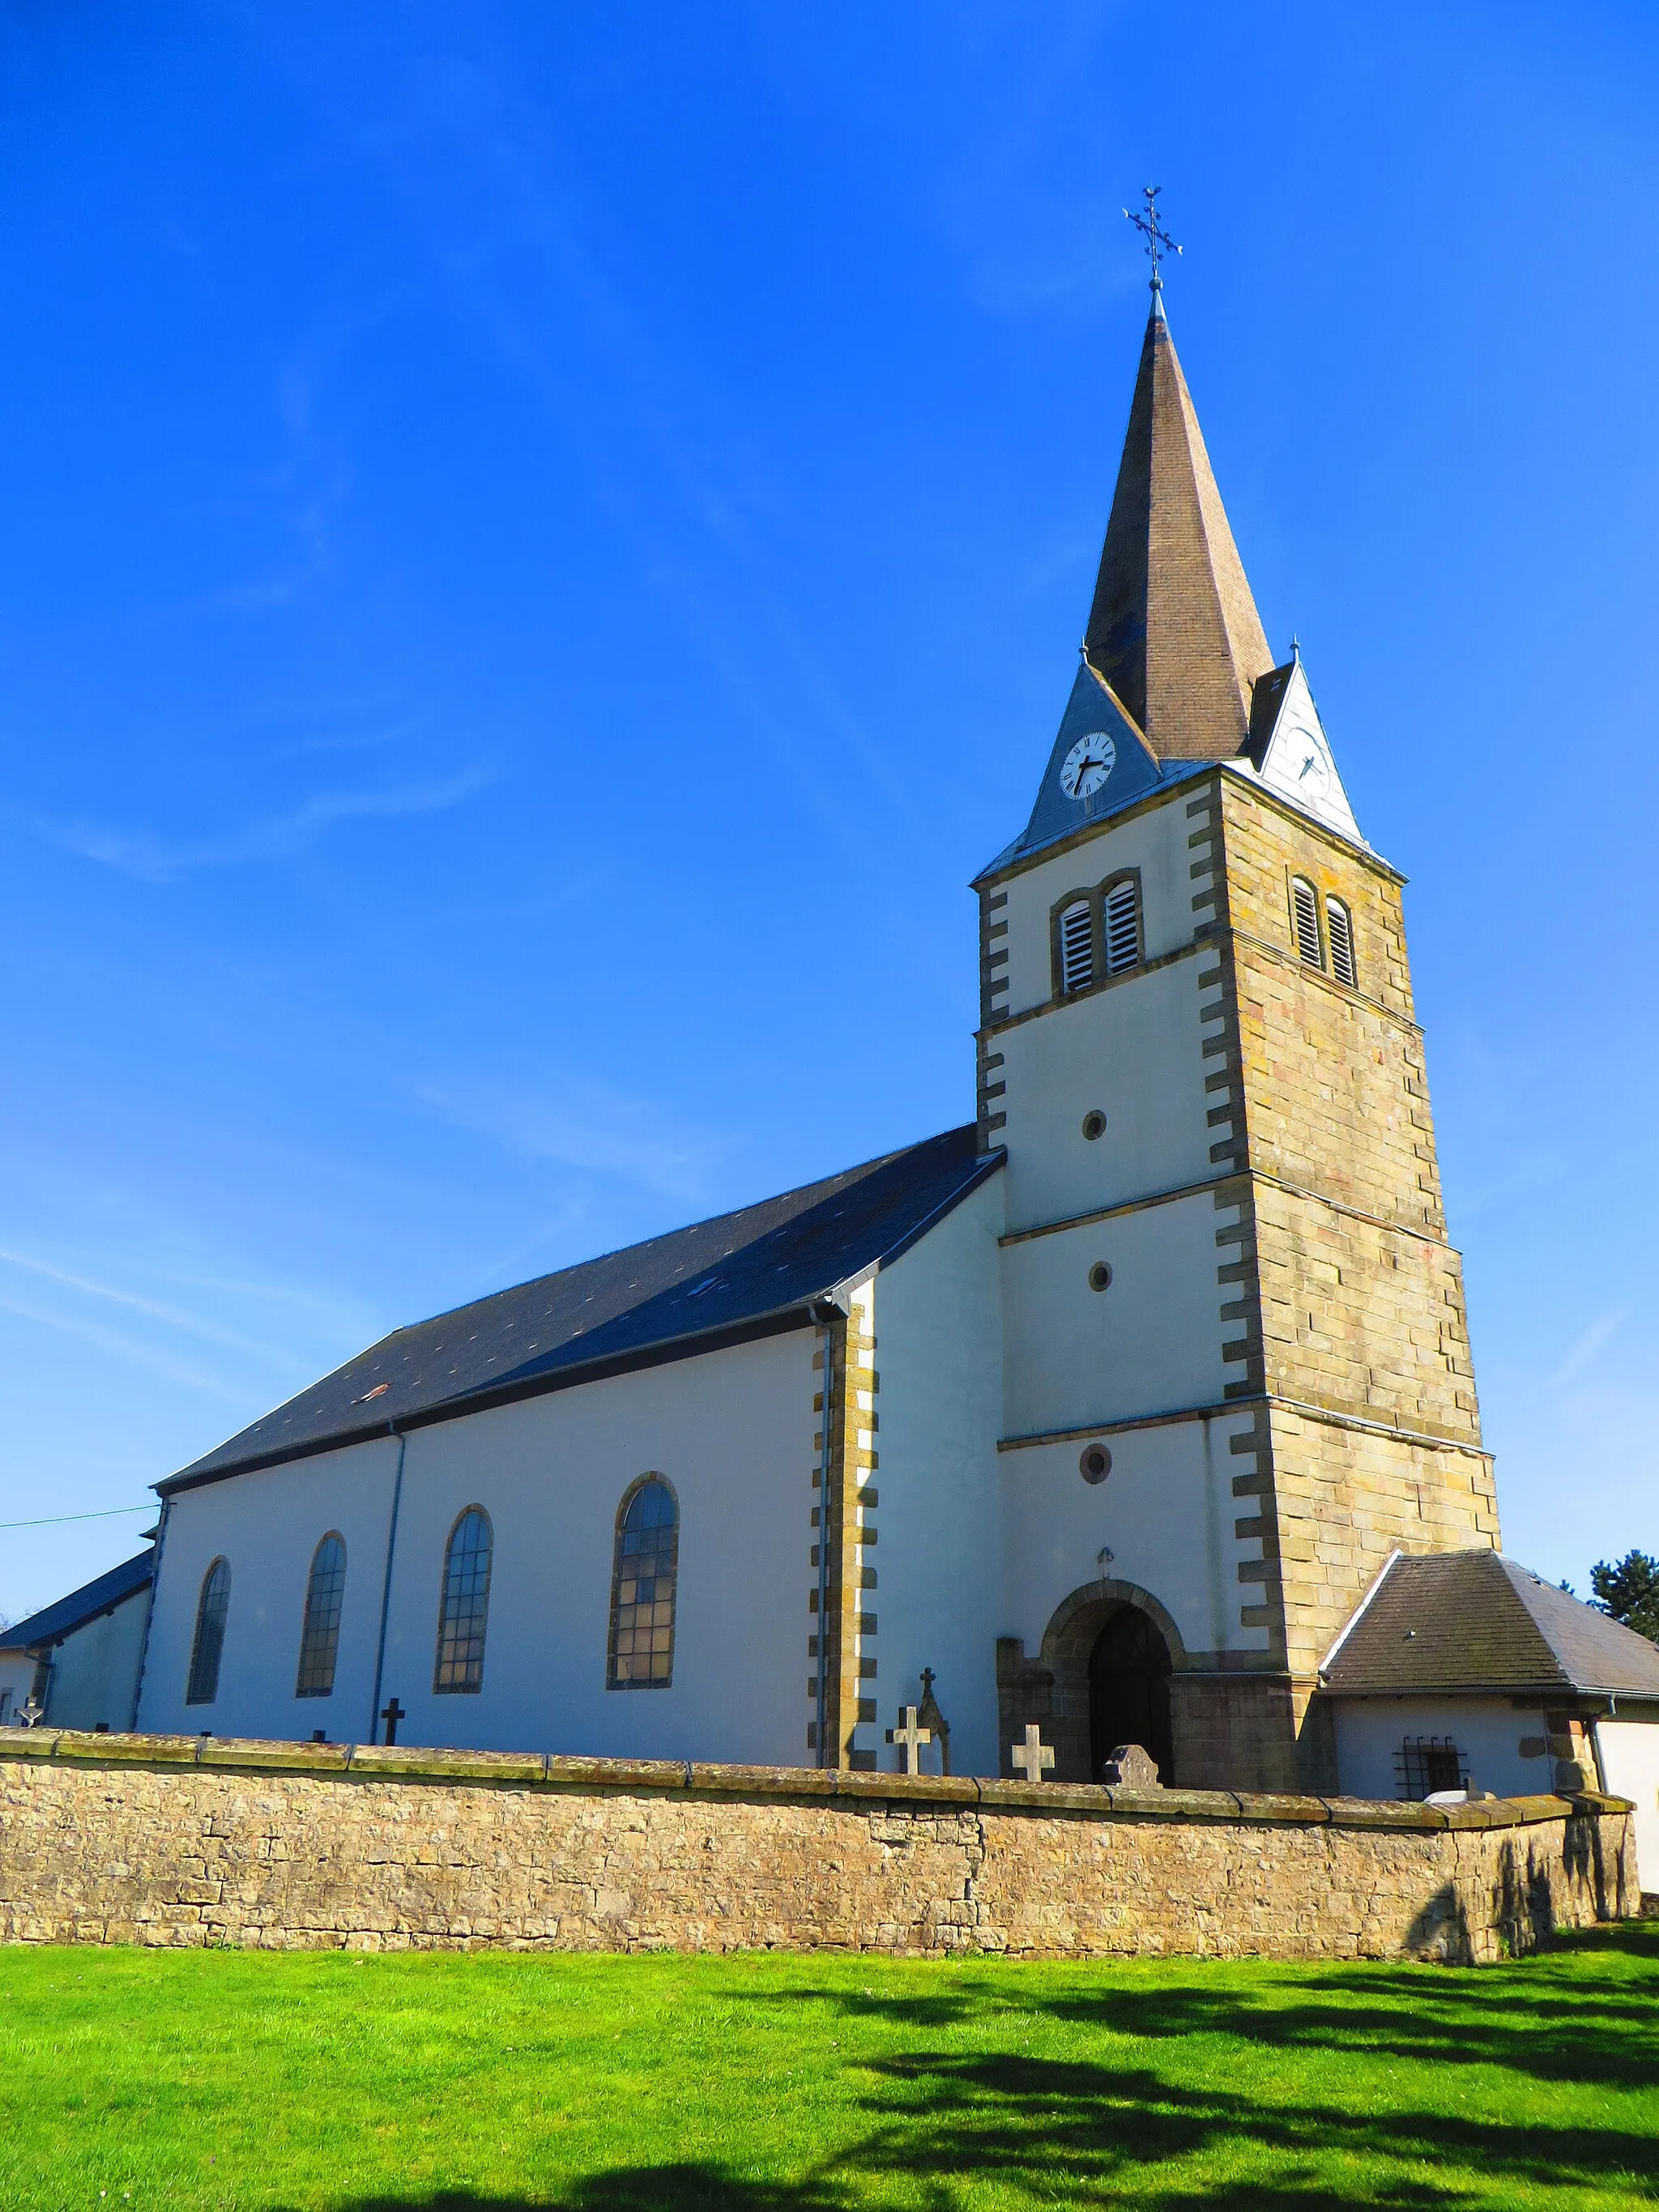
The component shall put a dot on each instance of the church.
(1103, 1412)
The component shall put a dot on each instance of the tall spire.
(1174, 630)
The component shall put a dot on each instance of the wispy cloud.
(1584, 1347)
(587, 1127)
(171, 1316)
(155, 860)
(118, 1344)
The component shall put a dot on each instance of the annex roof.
(754, 1273)
(73, 1612)
(1478, 1621)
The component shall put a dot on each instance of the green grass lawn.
(232, 2079)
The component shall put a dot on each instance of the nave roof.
(757, 1272)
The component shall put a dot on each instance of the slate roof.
(753, 1273)
(85, 1604)
(1173, 628)
(1477, 1621)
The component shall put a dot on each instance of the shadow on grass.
(1100, 2130)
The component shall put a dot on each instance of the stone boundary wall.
(205, 1840)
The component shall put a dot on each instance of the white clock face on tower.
(1304, 758)
(1087, 766)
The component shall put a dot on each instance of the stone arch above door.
(1052, 1687)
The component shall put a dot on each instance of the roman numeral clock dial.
(1088, 764)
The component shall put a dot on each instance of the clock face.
(1305, 757)
(1088, 764)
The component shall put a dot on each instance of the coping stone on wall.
(504, 1769)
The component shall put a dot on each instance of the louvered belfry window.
(1339, 928)
(1122, 927)
(319, 1636)
(465, 1609)
(1304, 914)
(1077, 947)
(207, 1647)
(642, 1587)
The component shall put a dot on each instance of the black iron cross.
(391, 1713)
(1158, 241)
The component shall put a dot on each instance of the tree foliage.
(1629, 1590)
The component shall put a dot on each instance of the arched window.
(1338, 930)
(1304, 919)
(320, 1638)
(1123, 925)
(642, 1589)
(466, 1606)
(207, 1647)
(1077, 947)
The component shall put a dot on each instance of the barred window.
(642, 1589)
(1304, 917)
(1077, 948)
(466, 1606)
(1339, 929)
(208, 1645)
(1123, 925)
(1427, 1763)
(319, 1636)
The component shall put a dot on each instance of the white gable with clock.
(1010, 1426)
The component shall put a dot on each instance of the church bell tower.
(1236, 1371)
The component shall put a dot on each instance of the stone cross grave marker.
(909, 1738)
(391, 1713)
(1033, 1754)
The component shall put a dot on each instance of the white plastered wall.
(1487, 1732)
(1131, 1051)
(732, 1433)
(1149, 1343)
(16, 1679)
(1628, 1752)
(1165, 1513)
(95, 1672)
(267, 1524)
(938, 1322)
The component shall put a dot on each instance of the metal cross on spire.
(1158, 241)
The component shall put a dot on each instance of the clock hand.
(1307, 764)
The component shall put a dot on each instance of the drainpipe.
(149, 1614)
(391, 1430)
(824, 1457)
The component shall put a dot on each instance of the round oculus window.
(1094, 1124)
(1095, 1464)
(1099, 1276)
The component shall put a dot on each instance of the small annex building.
(75, 1664)
(1465, 1669)
(1100, 1413)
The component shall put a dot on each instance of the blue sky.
(539, 549)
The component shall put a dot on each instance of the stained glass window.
(466, 1604)
(642, 1589)
(207, 1647)
(320, 1638)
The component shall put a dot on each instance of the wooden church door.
(1129, 1693)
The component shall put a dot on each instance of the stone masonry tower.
(1234, 1341)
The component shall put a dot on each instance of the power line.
(57, 1520)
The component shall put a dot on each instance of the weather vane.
(1158, 241)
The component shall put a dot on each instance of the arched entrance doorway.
(1129, 1692)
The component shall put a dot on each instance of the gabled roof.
(81, 1606)
(757, 1272)
(1477, 1621)
(1174, 629)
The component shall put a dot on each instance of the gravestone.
(1130, 1767)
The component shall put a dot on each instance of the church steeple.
(1173, 628)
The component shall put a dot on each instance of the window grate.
(207, 1647)
(465, 1610)
(1077, 951)
(319, 1636)
(1427, 1763)
(1339, 928)
(1304, 909)
(1122, 927)
(642, 1590)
